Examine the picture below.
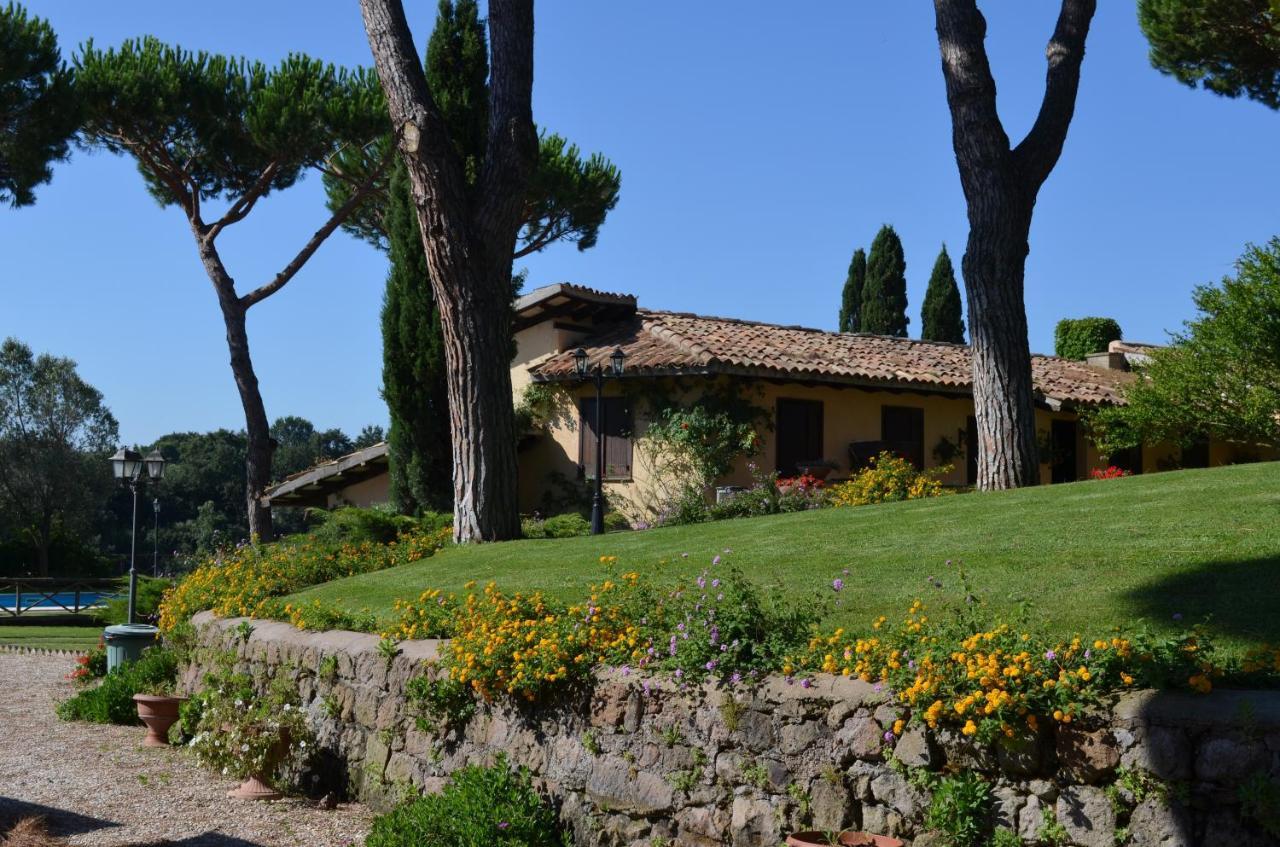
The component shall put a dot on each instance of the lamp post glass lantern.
(131, 468)
(582, 367)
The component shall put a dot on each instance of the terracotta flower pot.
(845, 839)
(254, 788)
(158, 712)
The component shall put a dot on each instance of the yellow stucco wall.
(370, 492)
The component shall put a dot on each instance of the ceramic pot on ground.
(845, 839)
(158, 712)
(254, 788)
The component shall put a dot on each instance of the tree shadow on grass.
(1241, 598)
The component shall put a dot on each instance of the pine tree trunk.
(1003, 396)
(257, 429)
(469, 234)
(1000, 185)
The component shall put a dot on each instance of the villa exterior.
(838, 397)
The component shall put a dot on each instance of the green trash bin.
(125, 642)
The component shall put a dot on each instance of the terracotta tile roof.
(672, 343)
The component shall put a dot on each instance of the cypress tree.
(941, 318)
(851, 297)
(884, 294)
(413, 368)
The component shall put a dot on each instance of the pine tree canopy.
(38, 109)
(942, 317)
(569, 195)
(204, 126)
(884, 294)
(851, 296)
(1230, 47)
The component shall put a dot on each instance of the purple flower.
(716, 560)
(888, 736)
(711, 665)
(1049, 655)
(715, 583)
(736, 678)
(503, 824)
(1177, 616)
(805, 683)
(679, 673)
(912, 664)
(877, 686)
(837, 584)
(1088, 654)
(626, 670)
(702, 582)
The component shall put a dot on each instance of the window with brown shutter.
(617, 440)
(902, 431)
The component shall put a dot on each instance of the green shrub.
(352, 524)
(567, 526)
(479, 807)
(616, 522)
(150, 593)
(889, 478)
(1076, 338)
(112, 700)
(961, 808)
(688, 507)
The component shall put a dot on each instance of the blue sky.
(759, 145)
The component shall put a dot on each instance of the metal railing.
(76, 595)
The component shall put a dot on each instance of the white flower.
(224, 771)
(302, 744)
(244, 748)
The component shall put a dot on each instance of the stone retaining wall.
(638, 762)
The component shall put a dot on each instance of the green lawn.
(50, 637)
(1086, 556)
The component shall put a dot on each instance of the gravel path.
(97, 785)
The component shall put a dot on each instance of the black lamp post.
(155, 540)
(130, 467)
(598, 373)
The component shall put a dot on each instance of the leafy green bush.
(616, 522)
(961, 807)
(567, 526)
(112, 700)
(479, 807)
(355, 525)
(1076, 338)
(150, 593)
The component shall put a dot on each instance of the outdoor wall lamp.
(582, 367)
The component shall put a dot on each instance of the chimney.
(1112, 360)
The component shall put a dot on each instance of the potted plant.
(847, 838)
(158, 709)
(816, 468)
(249, 735)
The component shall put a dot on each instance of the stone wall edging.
(632, 763)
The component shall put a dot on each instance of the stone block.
(753, 823)
(1155, 823)
(796, 738)
(861, 737)
(1228, 758)
(1162, 750)
(1089, 756)
(614, 784)
(916, 748)
(1087, 815)
(755, 729)
(893, 790)
(831, 804)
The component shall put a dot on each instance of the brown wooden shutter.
(617, 444)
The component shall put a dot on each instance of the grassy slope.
(1087, 555)
(50, 637)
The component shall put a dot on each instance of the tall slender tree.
(941, 316)
(38, 112)
(884, 294)
(204, 127)
(469, 229)
(1000, 186)
(568, 199)
(851, 296)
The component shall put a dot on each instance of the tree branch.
(1037, 154)
(976, 132)
(512, 146)
(244, 205)
(262, 292)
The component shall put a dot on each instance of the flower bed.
(246, 580)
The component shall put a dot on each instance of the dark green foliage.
(226, 124)
(884, 294)
(1230, 47)
(355, 525)
(568, 196)
(369, 435)
(55, 436)
(413, 366)
(568, 525)
(150, 593)
(112, 700)
(1220, 377)
(38, 109)
(961, 808)
(1076, 338)
(479, 807)
(851, 296)
(941, 317)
